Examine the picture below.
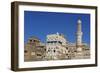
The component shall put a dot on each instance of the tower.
(79, 36)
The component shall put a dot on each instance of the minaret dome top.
(79, 21)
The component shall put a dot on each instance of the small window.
(38, 54)
(34, 40)
(25, 51)
(44, 49)
(56, 47)
(67, 54)
(66, 48)
(30, 40)
(54, 50)
(48, 50)
(60, 42)
(75, 51)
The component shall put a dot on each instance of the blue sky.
(40, 24)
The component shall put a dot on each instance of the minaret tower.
(79, 36)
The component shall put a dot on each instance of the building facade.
(55, 46)
(34, 50)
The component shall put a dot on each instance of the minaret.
(79, 36)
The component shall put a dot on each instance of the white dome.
(79, 21)
(57, 33)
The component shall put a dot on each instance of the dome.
(57, 33)
(79, 21)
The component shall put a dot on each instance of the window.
(48, 50)
(30, 40)
(25, 51)
(54, 50)
(45, 49)
(75, 50)
(34, 40)
(59, 42)
(56, 47)
(66, 48)
(67, 54)
(38, 54)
